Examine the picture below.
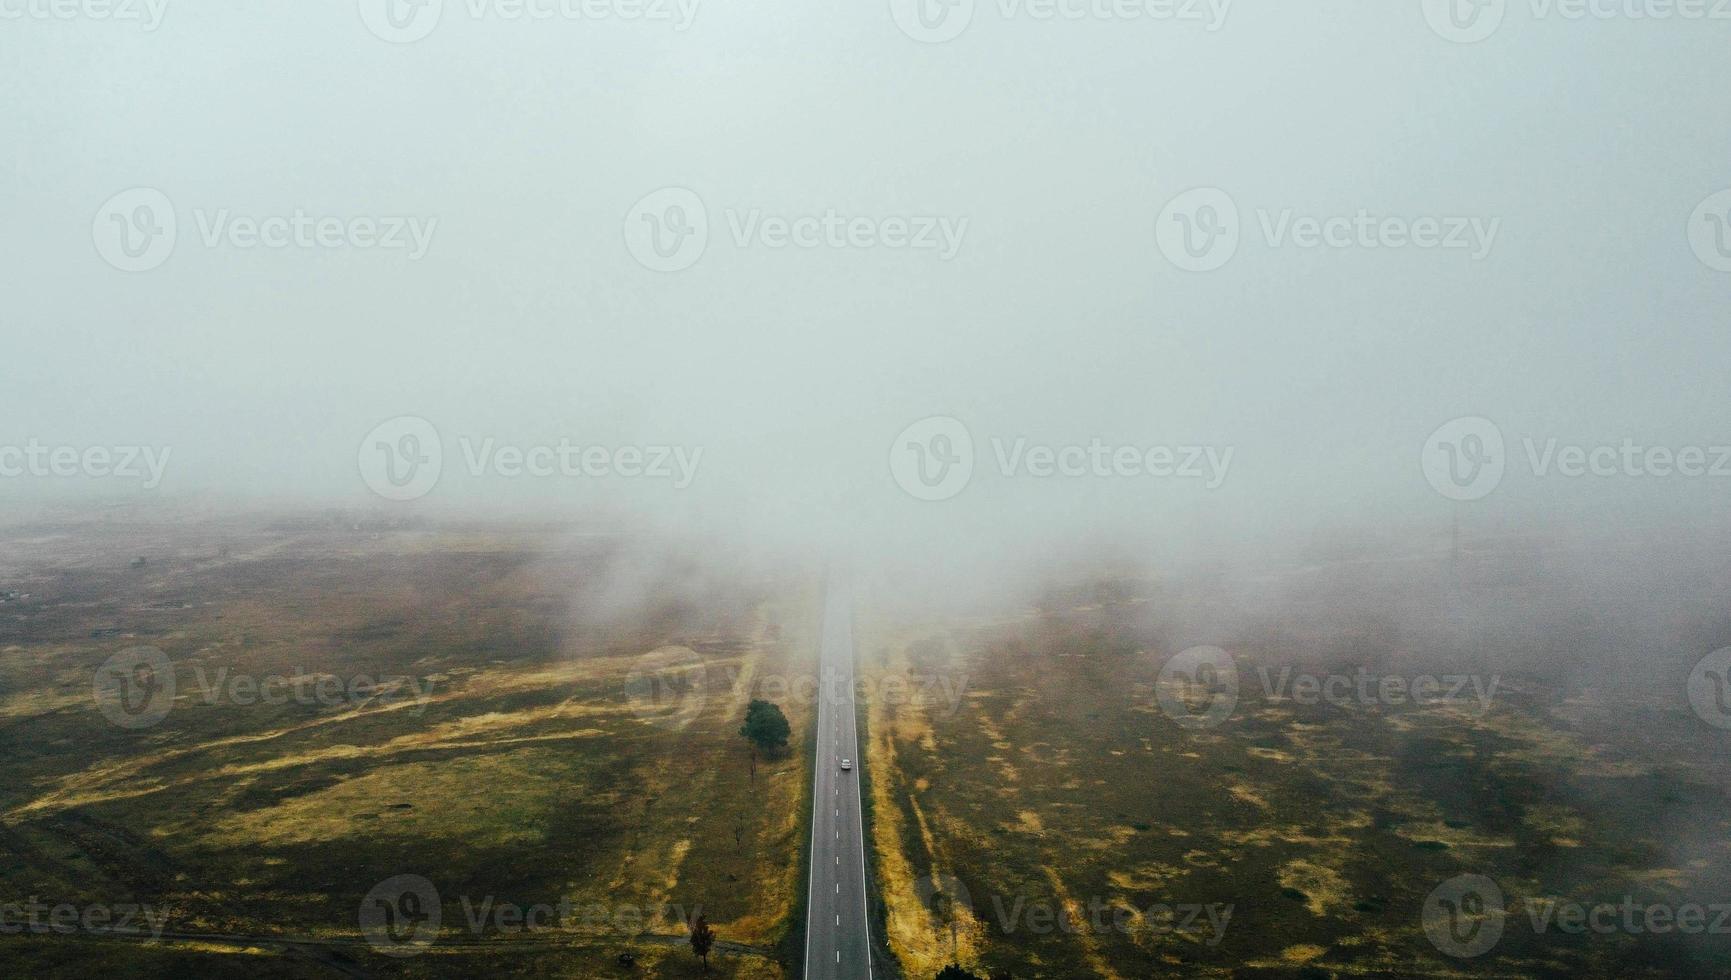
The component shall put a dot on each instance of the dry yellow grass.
(920, 943)
(1325, 888)
(1089, 939)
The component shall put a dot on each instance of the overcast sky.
(1002, 253)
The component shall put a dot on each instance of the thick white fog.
(1231, 265)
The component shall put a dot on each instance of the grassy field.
(523, 717)
(1079, 830)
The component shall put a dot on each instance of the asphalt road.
(837, 937)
